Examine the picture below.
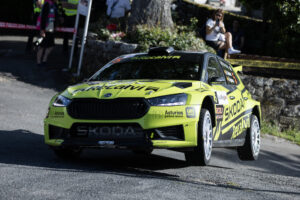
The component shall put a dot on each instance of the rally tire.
(67, 152)
(250, 150)
(201, 155)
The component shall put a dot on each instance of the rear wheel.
(67, 152)
(251, 148)
(202, 153)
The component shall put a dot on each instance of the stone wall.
(280, 98)
(98, 53)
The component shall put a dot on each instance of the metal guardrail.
(265, 64)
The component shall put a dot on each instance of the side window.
(213, 68)
(229, 73)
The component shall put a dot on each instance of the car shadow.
(23, 147)
(268, 162)
(27, 149)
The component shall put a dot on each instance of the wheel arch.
(256, 112)
(209, 104)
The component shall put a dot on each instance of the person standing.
(46, 25)
(37, 6)
(70, 12)
(216, 35)
(117, 11)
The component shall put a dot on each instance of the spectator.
(37, 6)
(70, 11)
(238, 38)
(46, 24)
(117, 11)
(216, 35)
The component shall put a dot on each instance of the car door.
(234, 122)
(214, 75)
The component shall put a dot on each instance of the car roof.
(182, 55)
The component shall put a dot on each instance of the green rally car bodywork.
(153, 113)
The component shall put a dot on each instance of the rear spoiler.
(238, 68)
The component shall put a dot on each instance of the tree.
(284, 28)
(153, 13)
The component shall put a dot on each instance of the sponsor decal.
(116, 60)
(172, 114)
(240, 126)
(155, 57)
(230, 80)
(59, 114)
(118, 87)
(219, 111)
(233, 76)
(234, 109)
(106, 143)
(190, 112)
(219, 118)
(108, 95)
(222, 97)
(227, 73)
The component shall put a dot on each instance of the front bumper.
(160, 127)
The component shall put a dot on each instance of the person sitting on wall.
(216, 35)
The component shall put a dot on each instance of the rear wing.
(238, 68)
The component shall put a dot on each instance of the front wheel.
(202, 153)
(251, 148)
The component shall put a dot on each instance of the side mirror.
(217, 80)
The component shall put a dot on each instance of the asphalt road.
(29, 170)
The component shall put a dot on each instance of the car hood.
(134, 88)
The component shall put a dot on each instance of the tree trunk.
(151, 13)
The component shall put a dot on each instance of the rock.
(290, 122)
(268, 82)
(272, 108)
(258, 81)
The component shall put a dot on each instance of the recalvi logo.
(117, 87)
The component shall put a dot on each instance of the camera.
(38, 41)
(217, 22)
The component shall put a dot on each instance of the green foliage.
(284, 29)
(290, 134)
(181, 38)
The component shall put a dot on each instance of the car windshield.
(149, 69)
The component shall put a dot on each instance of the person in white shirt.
(117, 11)
(216, 35)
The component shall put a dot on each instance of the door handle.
(232, 97)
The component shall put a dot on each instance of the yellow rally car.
(185, 101)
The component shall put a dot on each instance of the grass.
(289, 134)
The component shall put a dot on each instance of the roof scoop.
(161, 50)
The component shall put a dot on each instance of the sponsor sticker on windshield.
(155, 57)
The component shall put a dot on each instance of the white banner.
(83, 7)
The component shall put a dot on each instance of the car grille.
(121, 108)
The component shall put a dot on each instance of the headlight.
(61, 101)
(170, 100)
